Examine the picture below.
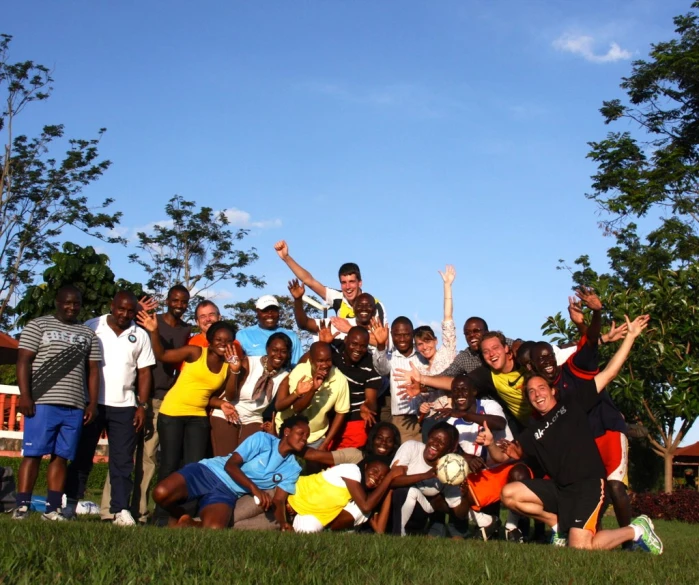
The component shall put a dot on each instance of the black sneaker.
(490, 532)
(514, 535)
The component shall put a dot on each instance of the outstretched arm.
(635, 328)
(589, 298)
(448, 277)
(301, 273)
(303, 321)
(186, 353)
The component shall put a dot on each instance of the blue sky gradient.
(398, 135)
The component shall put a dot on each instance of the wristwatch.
(144, 405)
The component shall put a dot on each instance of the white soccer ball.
(452, 469)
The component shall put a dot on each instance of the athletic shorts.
(485, 486)
(613, 447)
(53, 430)
(353, 435)
(577, 506)
(356, 513)
(205, 486)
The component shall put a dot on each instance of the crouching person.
(262, 462)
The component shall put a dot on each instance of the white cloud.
(584, 46)
(242, 219)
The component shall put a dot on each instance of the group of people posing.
(247, 430)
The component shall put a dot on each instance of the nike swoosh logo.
(256, 344)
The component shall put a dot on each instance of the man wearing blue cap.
(254, 339)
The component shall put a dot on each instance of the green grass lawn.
(87, 551)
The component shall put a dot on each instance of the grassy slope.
(90, 552)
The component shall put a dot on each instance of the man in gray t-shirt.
(57, 356)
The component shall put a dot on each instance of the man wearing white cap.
(254, 339)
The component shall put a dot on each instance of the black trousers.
(118, 420)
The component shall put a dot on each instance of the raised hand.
(304, 386)
(448, 275)
(231, 356)
(325, 333)
(379, 331)
(296, 288)
(410, 376)
(368, 415)
(485, 436)
(636, 327)
(342, 325)
(147, 321)
(146, 303)
(282, 249)
(615, 333)
(589, 298)
(575, 311)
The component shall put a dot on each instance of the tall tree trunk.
(669, 456)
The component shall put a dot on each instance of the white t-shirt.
(122, 357)
(411, 454)
(250, 411)
(562, 354)
(335, 475)
(468, 431)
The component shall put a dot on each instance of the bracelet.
(234, 373)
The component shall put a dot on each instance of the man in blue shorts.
(56, 358)
(262, 462)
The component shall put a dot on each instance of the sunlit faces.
(364, 309)
(384, 441)
(463, 393)
(222, 338)
(351, 286)
(206, 316)
(277, 354)
(356, 344)
(402, 335)
(374, 474)
(543, 361)
(495, 354)
(473, 331)
(68, 305)
(297, 436)
(541, 396)
(177, 302)
(426, 347)
(268, 318)
(321, 360)
(124, 309)
(439, 443)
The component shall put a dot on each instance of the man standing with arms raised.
(57, 359)
(125, 372)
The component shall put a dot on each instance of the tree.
(244, 315)
(40, 195)
(193, 248)
(655, 174)
(83, 268)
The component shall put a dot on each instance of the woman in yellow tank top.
(183, 423)
(322, 498)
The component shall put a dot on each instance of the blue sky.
(398, 135)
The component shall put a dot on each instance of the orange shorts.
(353, 435)
(485, 486)
(613, 447)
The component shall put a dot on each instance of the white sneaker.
(20, 513)
(55, 516)
(123, 518)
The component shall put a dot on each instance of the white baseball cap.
(266, 301)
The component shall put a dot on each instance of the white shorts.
(359, 516)
(307, 524)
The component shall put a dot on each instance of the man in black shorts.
(560, 440)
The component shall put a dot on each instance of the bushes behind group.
(682, 505)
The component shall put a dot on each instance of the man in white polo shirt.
(125, 372)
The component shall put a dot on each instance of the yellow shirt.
(195, 385)
(332, 394)
(510, 387)
(315, 496)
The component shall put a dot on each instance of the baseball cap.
(266, 301)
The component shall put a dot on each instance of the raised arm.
(299, 272)
(589, 298)
(611, 371)
(448, 277)
(303, 321)
(186, 353)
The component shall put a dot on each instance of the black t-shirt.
(561, 440)
(604, 415)
(359, 377)
(164, 375)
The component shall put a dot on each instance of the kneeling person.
(262, 462)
